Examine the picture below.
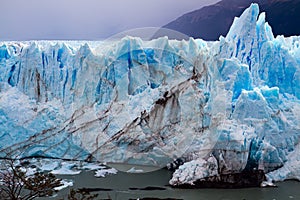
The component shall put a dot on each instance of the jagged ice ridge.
(223, 106)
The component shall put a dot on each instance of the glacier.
(224, 107)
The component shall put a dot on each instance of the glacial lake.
(154, 184)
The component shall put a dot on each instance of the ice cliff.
(223, 107)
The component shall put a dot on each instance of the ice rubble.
(233, 102)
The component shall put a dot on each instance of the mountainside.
(210, 22)
(225, 107)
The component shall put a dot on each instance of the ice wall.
(226, 106)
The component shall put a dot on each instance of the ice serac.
(132, 101)
(261, 132)
(225, 107)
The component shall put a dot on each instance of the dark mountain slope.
(212, 21)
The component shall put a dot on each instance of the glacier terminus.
(223, 107)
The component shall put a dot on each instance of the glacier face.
(225, 106)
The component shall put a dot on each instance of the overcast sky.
(86, 19)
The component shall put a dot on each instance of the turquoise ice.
(223, 106)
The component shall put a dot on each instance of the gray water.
(122, 187)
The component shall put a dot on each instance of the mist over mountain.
(212, 21)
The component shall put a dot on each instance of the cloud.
(85, 19)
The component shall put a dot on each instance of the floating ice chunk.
(65, 183)
(47, 164)
(92, 166)
(267, 184)
(134, 170)
(66, 168)
(104, 172)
